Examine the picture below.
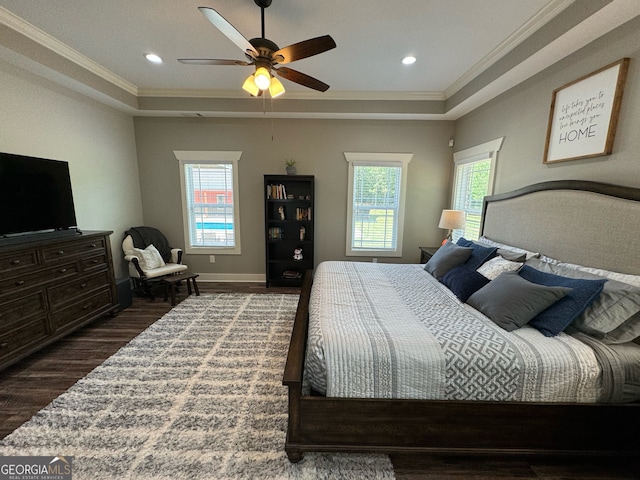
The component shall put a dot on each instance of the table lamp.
(451, 220)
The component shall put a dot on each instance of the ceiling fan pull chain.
(272, 136)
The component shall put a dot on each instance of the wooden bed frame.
(319, 423)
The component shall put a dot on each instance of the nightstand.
(426, 253)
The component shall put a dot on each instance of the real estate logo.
(36, 468)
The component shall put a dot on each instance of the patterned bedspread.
(393, 331)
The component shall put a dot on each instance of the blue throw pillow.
(558, 316)
(464, 282)
(479, 255)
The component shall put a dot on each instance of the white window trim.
(199, 156)
(479, 152)
(382, 159)
(487, 150)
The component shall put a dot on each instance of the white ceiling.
(454, 41)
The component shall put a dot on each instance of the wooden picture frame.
(584, 115)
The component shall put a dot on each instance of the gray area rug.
(198, 395)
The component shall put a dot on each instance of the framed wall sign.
(584, 115)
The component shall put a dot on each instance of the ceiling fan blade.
(211, 61)
(304, 49)
(301, 78)
(229, 30)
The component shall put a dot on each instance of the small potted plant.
(290, 166)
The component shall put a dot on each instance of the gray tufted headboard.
(588, 223)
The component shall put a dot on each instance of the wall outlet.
(212, 259)
(374, 260)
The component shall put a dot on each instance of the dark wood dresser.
(48, 288)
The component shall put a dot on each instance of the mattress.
(393, 331)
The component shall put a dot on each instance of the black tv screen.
(35, 195)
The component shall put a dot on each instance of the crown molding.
(42, 38)
(540, 19)
(296, 95)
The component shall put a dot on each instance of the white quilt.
(393, 331)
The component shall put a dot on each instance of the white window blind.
(376, 203)
(473, 180)
(471, 186)
(210, 203)
(211, 221)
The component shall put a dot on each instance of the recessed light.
(152, 57)
(409, 60)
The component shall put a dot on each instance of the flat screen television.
(35, 196)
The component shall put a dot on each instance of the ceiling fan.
(265, 55)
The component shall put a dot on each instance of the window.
(375, 211)
(473, 180)
(209, 182)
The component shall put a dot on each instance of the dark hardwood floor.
(34, 382)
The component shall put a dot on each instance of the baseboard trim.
(232, 277)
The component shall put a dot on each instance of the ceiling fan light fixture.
(250, 86)
(262, 78)
(276, 88)
(409, 60)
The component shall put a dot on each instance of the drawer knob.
(4, 345)
(60, 252)
(16, 262)
(93, 245)
(96, 261)
(20, 282)
(63, 270)
(83, 285)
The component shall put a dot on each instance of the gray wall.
(318, 146)
(521, 114)
(41, 119)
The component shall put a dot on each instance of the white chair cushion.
(167, 269)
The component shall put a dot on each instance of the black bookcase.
(289, 214)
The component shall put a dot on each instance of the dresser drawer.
(77, 288)
(94, 262)
(77, 313)
(9, 286)
(20, 261)
(18, 311)
(64, 251)
(29, 334)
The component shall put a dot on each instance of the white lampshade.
(451, 219)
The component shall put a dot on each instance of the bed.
(591, 410)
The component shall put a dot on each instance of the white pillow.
(497, 265)
(149, 258)
(487, 242)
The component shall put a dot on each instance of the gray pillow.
(510, 301)
(511, 255)
(614, 316)
(446, 257)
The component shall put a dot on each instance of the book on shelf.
(294, 274)
(303, 213)
(276, 192)
(276, 233)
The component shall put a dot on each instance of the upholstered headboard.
(588, 223)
